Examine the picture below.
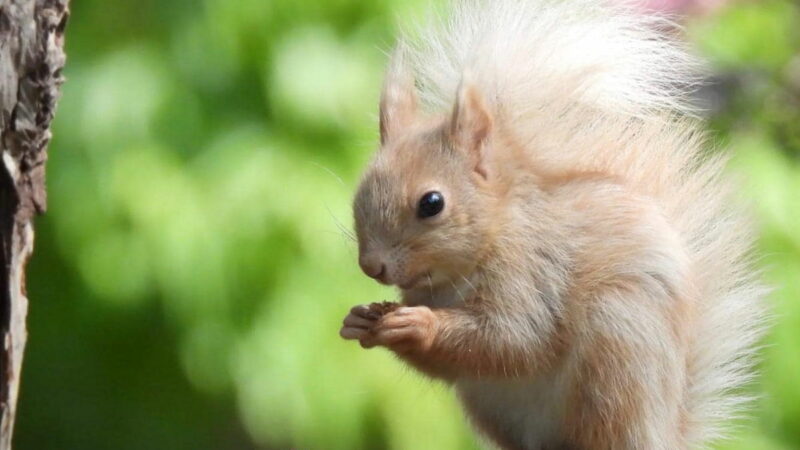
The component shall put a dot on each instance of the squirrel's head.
(423, 211)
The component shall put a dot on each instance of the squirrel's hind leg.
(627, 380)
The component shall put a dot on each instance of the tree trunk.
(31, 59)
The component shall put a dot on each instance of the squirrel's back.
(591, 86)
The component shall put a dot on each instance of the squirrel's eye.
(431, 204)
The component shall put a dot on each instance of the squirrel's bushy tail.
(527, 52)
(597, 86)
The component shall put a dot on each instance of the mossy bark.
(31, 61)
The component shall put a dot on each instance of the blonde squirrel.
(568, 253)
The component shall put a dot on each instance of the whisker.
(468, 282)
(338, 178)
(347, 233)
(430, 285)
(463, 300)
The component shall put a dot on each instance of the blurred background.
(192, 271)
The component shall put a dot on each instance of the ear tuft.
(398, 104)
(471, 125)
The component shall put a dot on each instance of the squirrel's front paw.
(358, 323)
(404, 330)
(363, 318)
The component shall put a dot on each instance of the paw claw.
(357, 322)
(352, 332)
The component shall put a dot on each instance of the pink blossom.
(681, 6)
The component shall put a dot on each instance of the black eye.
(431, 204)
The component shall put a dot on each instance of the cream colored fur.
(589, 283)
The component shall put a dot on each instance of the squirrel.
(570, 256)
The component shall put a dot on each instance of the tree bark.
(31, 60)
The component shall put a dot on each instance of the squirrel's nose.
(373, 268)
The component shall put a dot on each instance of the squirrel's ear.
(398, 97)
(471, 125)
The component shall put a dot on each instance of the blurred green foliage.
(192, 271)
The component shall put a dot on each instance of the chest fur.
(526, 413)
